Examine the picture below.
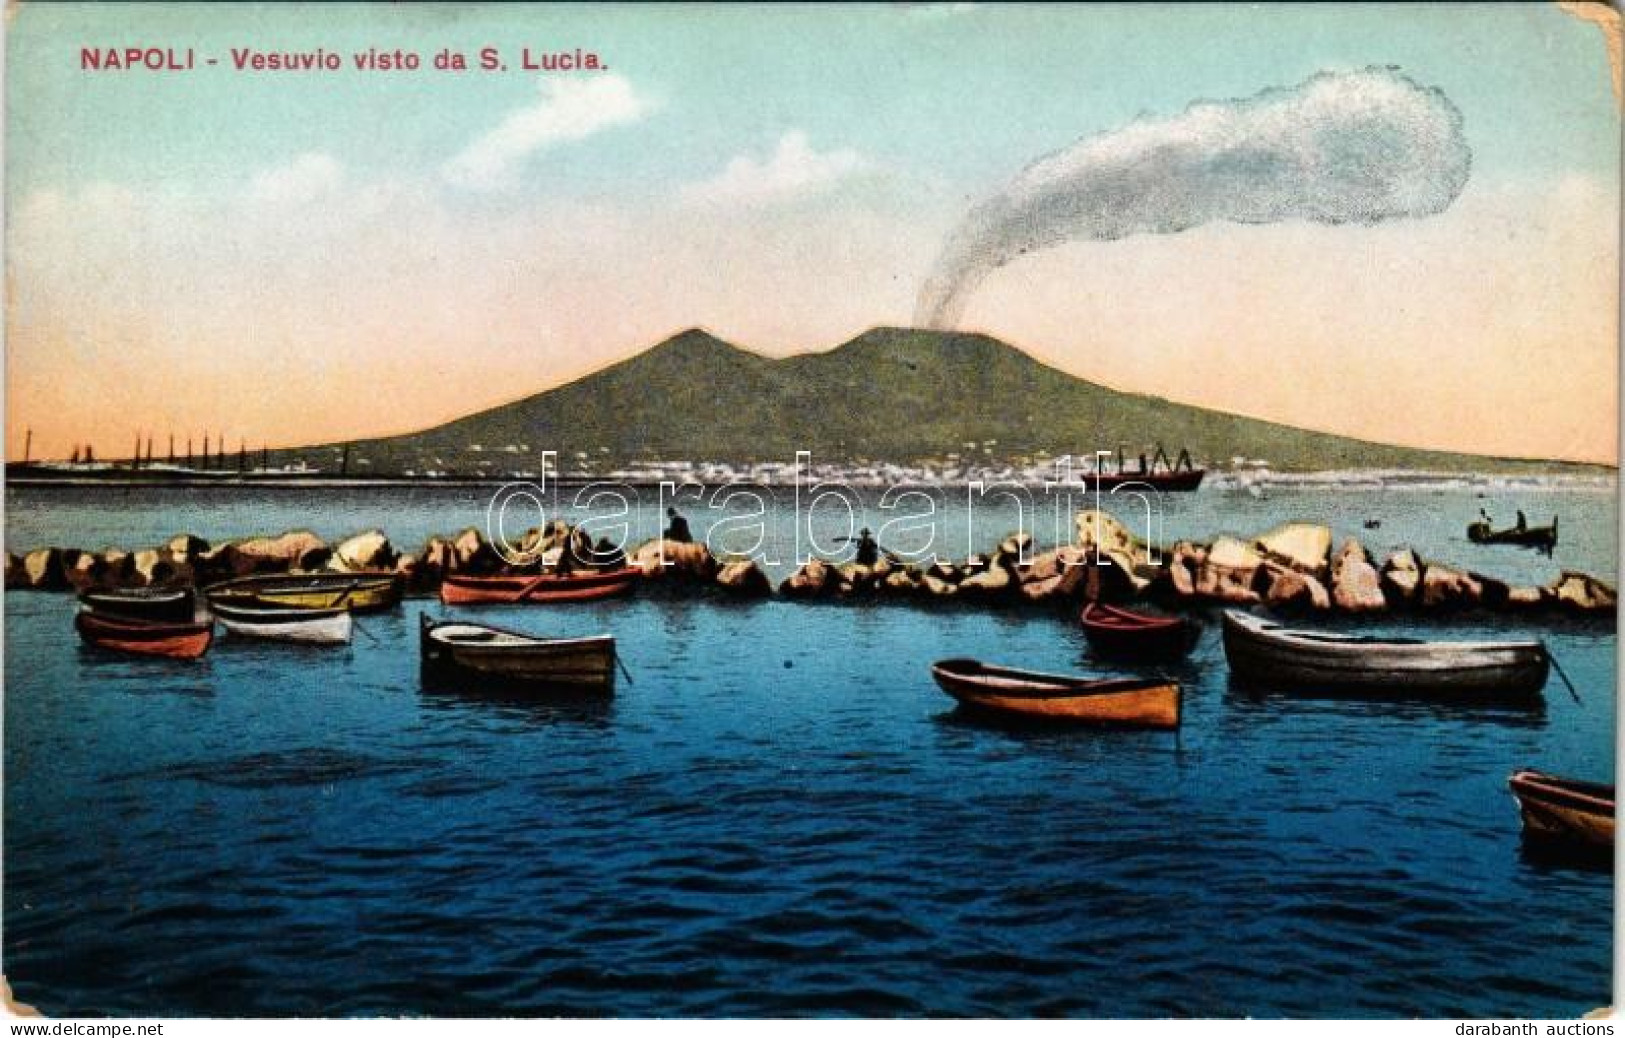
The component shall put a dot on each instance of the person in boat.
(677, 528)
(1184, 464)
(1523, 524)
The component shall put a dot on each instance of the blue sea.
(779, 814)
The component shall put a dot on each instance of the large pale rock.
(294, 550)
(945, 572)
(43, 568)
(1230, 573)
(1042, 590)
(437, 558)
(1292, 590)
(472, 553)
(810, 581)
(1401, 577)
(414, 576)
(1102, 530)
(1446, 588)
(1304, 547)
(155, 566)
(937, 587)
(853, 579)
(184, 547)
(558, 538)
(1356, 584)
(1016, 547)
(1528, 598)
(1184, 565)
(364, 551)
(1114, 576)
(84, 569)
(901, 581)
(995, 580)
(744, 578)
(1583, 593)
(675, 560)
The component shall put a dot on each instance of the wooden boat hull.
(1530, 537)
(534, 590)
(176, 605)
(1030, 696)
(1124, 635)
(1562, 811)
(1265, 653)
(304, 626)
(181, 641)
(1185, 480)
(357, 592)
(454, 651)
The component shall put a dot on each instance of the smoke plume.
(1352, 147)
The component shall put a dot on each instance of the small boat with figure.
(181, 640)
(1034, 696)
(280, 623)
(1522, 535)
(1267, 653)
(539, 588)
(357, 592)
(494, 656)
(1126, 635)
(1564, 811)
(142, 603)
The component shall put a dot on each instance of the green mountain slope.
(898, 395)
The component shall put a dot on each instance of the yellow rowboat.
(1060, 698)
(358, 592)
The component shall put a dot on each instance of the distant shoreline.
(1573, 475)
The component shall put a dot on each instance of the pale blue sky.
(786, 177)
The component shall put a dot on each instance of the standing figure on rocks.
(868, 549)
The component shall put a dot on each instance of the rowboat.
(358, 592)
(1314, 661)
(497, 656)
(1527, 537)
(142, 603)
(1122, 634)
(1564, 811)
(1030, 695)
(539, 588)
(307, 626)
(177, 640)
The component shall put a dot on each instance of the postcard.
(753, 511)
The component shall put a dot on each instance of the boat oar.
(355, 625)
(347, 593)
(524, 592)
(1558, 667)
(624, 672)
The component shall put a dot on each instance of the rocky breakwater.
(1294, 568)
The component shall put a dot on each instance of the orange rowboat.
(181, 641)
(539, 588)
(1029, 695)
(1564, 811)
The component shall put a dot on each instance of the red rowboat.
(539, 588)
(181, 641)
(1122, 634)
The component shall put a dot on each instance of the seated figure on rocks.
(677, 528)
